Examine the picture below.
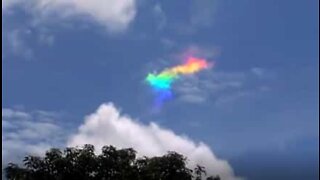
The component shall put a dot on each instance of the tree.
(213, 178)
(111, 164)
(170, 166)
(199, 170)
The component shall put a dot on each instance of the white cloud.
(160, 16)
(46, 39)
(263, 73)
(107, 126)
(191, 90)
(42, 15)
(168, 43)
(8, 3)
(194, 98)
(221, 87)
(225, 99)
(202, 51)
(201, 15)
(16, 41)
(12, 114)
(208, 86)
(202, 12)
(28, 133)
(258, 71)
(115, 15)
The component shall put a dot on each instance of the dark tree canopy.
(111, 164)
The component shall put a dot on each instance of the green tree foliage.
(111, 164)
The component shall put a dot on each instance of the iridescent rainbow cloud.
(162, 82)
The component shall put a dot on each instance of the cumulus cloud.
(115, 15)
(28, 133)
(107, 126)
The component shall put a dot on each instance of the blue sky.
(257, 108)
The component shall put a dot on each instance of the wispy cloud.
(18, 40)
(168, 43)
(202, 12)
(46, 39)
(17, 43)
(29, 133)
(160, 16)
(258, 71)
(201, 15)
(218, 87)
(13, 114)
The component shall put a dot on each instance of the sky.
(73, 73)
